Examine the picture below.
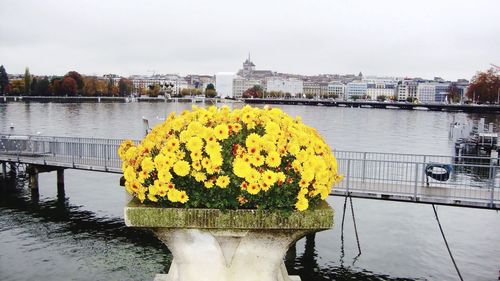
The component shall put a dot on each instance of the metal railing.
(475, 180)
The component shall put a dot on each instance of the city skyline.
(450, 39)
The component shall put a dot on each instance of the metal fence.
(83, 153)
(369, 174)
(471, 180)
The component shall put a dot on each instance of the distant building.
(224, 84)
(355, 89)
(374, 90)
(249, 71)
(407, 89)
(336, 90)
(294, 87)
(240, 85)
(432, 92)
(312, 89)
(173, 82)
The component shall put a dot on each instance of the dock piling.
(60, 181)
(4, 170)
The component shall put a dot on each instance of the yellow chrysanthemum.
(273, 159)
(253, 188)
(147, 164)
(269, 177)
(222, 181)
(302, 204)
(181, 168)
(221, 132)
(194, 144)
(182, 197)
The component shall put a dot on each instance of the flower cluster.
(218, 158)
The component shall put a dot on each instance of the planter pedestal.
(233, 245)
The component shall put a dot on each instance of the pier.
(493, 109)
(472, 181)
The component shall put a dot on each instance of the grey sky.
(425, 38)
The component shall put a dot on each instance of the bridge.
(494, 109)
(468, 181)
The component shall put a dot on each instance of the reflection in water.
(307, 267)
(53, 229)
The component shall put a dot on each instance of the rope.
(355, 228)
(446, 242)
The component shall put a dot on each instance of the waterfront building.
(432, 92)
(294, 87)
(224, 84)
(241, 84)
(174, 82)
(355, 89)
(336, 89)
(407, 89)
(374, 90)
(312, 89)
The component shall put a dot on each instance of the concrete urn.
(215, 245)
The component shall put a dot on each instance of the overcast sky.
(424, 38)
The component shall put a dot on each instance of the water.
(81, 236)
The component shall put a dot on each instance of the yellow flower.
(269, 177)
(209, 183)
(272, 128)
(147, 164)
(200, 177)
(302, 204)
(221, 132)
(164, 176)
(213, 147)
(152, 197)
(129, 174)
(257, 160)
(181, 168)
(194, 144)
(253, 140)
(222, 181)
(273, 159)
(183, 197)
(253, 188)
(173, 195)
(240, 167)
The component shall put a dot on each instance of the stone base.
(228, 255)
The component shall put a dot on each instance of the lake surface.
(81, 236)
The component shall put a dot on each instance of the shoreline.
(58, 99)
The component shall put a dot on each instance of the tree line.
(71, 84)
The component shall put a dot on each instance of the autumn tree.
(4, 80)
(56, 86)
(17, 87)
(484, 86)
(190, 92)
(69, 86)
(254, 92)
(27, 81)
(89, 86)
(78, 79)
(125, 87)
(101, 87)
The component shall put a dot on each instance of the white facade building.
(373, 90)
(407, 89)
(171, 82)
(224, 84)
(294, 87)
(240, 85)
(336, 89)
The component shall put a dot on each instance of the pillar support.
(60, 182)
(4, 170)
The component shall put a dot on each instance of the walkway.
(473, 182)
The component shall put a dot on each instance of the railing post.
(348, 174)
(416, 183)
(106, 155)
(423, 167)
(493, 174)
(363, 167)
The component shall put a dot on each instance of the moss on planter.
(141, 215)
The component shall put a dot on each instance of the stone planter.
(214, 245)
